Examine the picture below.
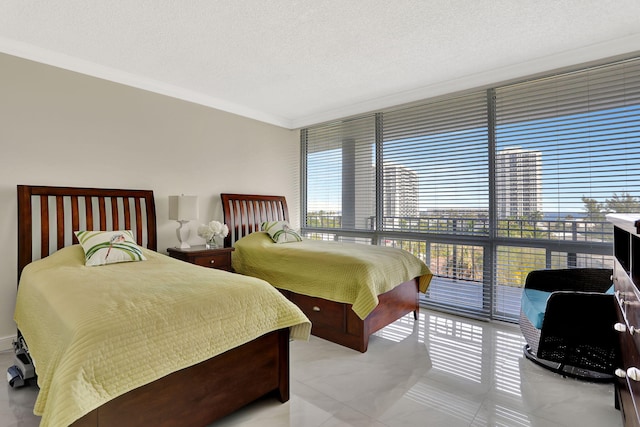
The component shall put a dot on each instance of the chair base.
(567, 370)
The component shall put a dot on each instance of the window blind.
(436, 183)
(341, 184)
(567, 153)
(487, 186)
(568, 138)
(435, 167)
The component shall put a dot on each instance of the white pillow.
(281, 232)
(109, 247)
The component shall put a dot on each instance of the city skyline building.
(400, 191)
(518, 182)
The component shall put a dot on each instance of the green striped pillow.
(109, 247)
(281, 232)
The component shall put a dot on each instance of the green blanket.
(97, 332)
(344, 272)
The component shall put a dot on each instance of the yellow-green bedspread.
(97, 332)
(344, 272)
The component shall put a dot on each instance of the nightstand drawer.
(221, 261)
(219, 258)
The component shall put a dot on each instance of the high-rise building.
(518, 182)
(400, 192)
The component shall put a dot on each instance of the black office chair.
(567, 318)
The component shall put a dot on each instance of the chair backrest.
(570, 279)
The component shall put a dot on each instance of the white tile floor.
(440, 371)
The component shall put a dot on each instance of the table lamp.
(183, 209)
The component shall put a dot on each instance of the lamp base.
(183, 235)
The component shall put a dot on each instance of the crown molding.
(498, 76)
(576, 58)
(67, 62)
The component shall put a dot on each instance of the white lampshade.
(183, 208)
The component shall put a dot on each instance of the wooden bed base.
(195, 396)
(338, 323)
(331, 320)
(203, 393)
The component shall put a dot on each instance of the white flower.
(213, 229)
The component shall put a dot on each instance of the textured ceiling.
(298, 62)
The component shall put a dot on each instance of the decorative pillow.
(109, 247)
(281, 232)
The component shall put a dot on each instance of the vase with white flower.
(213, 233)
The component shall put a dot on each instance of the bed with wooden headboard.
(197, 395)
(331, 320)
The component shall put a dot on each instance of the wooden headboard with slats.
(244, 213)
(48, 216)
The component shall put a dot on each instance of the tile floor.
(440, 371)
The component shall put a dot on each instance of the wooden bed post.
(25, 239)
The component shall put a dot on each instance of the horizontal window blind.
(436, 182)
(341, 184)
(435, 167)
(567, 153)
(568, 138)
(487, 186)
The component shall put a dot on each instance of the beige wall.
(62, 128)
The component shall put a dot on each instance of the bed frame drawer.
(321, 312)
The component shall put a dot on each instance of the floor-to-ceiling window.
(486, 186)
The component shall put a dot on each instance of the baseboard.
(6, 343)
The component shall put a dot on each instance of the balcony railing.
(458, 251)
(576, 230)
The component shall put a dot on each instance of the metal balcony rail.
(577, 230)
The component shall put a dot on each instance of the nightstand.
(219, 258)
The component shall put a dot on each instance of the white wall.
(66, 129)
